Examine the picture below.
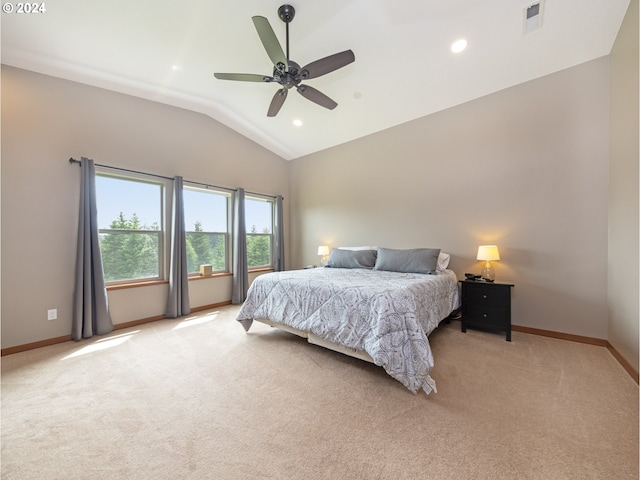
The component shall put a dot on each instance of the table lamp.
(323, 251)
(488, 253)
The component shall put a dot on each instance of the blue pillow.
(352, 258)
(415, 260)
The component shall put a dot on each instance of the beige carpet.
(198, 398)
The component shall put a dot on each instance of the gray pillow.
(416, 260)
(352, 258)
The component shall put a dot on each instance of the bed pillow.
(351, 258)
(415, 260)
(443, 261)
(358, 248)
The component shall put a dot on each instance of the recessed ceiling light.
(297, 122)
(175, 68)
(458, 45)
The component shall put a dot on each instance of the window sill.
(213, 275)
(122, 286)
(260, 270)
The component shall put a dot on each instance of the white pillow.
(443, 261)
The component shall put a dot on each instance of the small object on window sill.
(206, 270)
(309, 266)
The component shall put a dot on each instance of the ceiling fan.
(287, 72)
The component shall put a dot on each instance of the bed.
(364, 305)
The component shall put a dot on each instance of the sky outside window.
(115, 195)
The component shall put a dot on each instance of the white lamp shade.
(488, 253)
(323, 250)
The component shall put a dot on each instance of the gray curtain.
(240, 269)
(90, 305)
(278, 237)
(178, 299)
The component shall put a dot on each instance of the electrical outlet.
(52, 314)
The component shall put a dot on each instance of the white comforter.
(386, 314)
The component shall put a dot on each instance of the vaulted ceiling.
(404, 68)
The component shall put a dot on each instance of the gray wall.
(47, 120)
(525, 168)
(623, 190)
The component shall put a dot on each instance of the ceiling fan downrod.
(286, 14)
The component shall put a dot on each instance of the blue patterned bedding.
(386, 314)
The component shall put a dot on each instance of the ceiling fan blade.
(270, 42)
(327, 64)
(316, 96)
(276, 102)
(243, 77)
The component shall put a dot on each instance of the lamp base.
(488, 273)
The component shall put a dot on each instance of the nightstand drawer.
(487, 316)
(487, 296)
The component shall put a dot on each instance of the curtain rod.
(73, 160)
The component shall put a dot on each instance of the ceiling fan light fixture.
(459, 45)
(297, 122)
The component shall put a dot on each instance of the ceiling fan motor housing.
(290, 78)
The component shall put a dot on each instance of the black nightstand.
(486, 305)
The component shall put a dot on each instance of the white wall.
(525, 168)
(623, 257)
(45, 121)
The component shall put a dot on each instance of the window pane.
(258, 215)
(129, 255)
(258, 250)
(123, 199)
(259, 224)
(206, 249)
(208, 209)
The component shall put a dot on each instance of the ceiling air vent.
(533, 17)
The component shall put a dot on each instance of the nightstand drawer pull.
(484, 295)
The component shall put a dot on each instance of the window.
(134, 218)
(259, 225)
(207, 216)
(131, 226)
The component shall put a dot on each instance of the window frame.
(192, 186)
(271, 200)
(166, 185)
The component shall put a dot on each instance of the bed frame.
(316, 340)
